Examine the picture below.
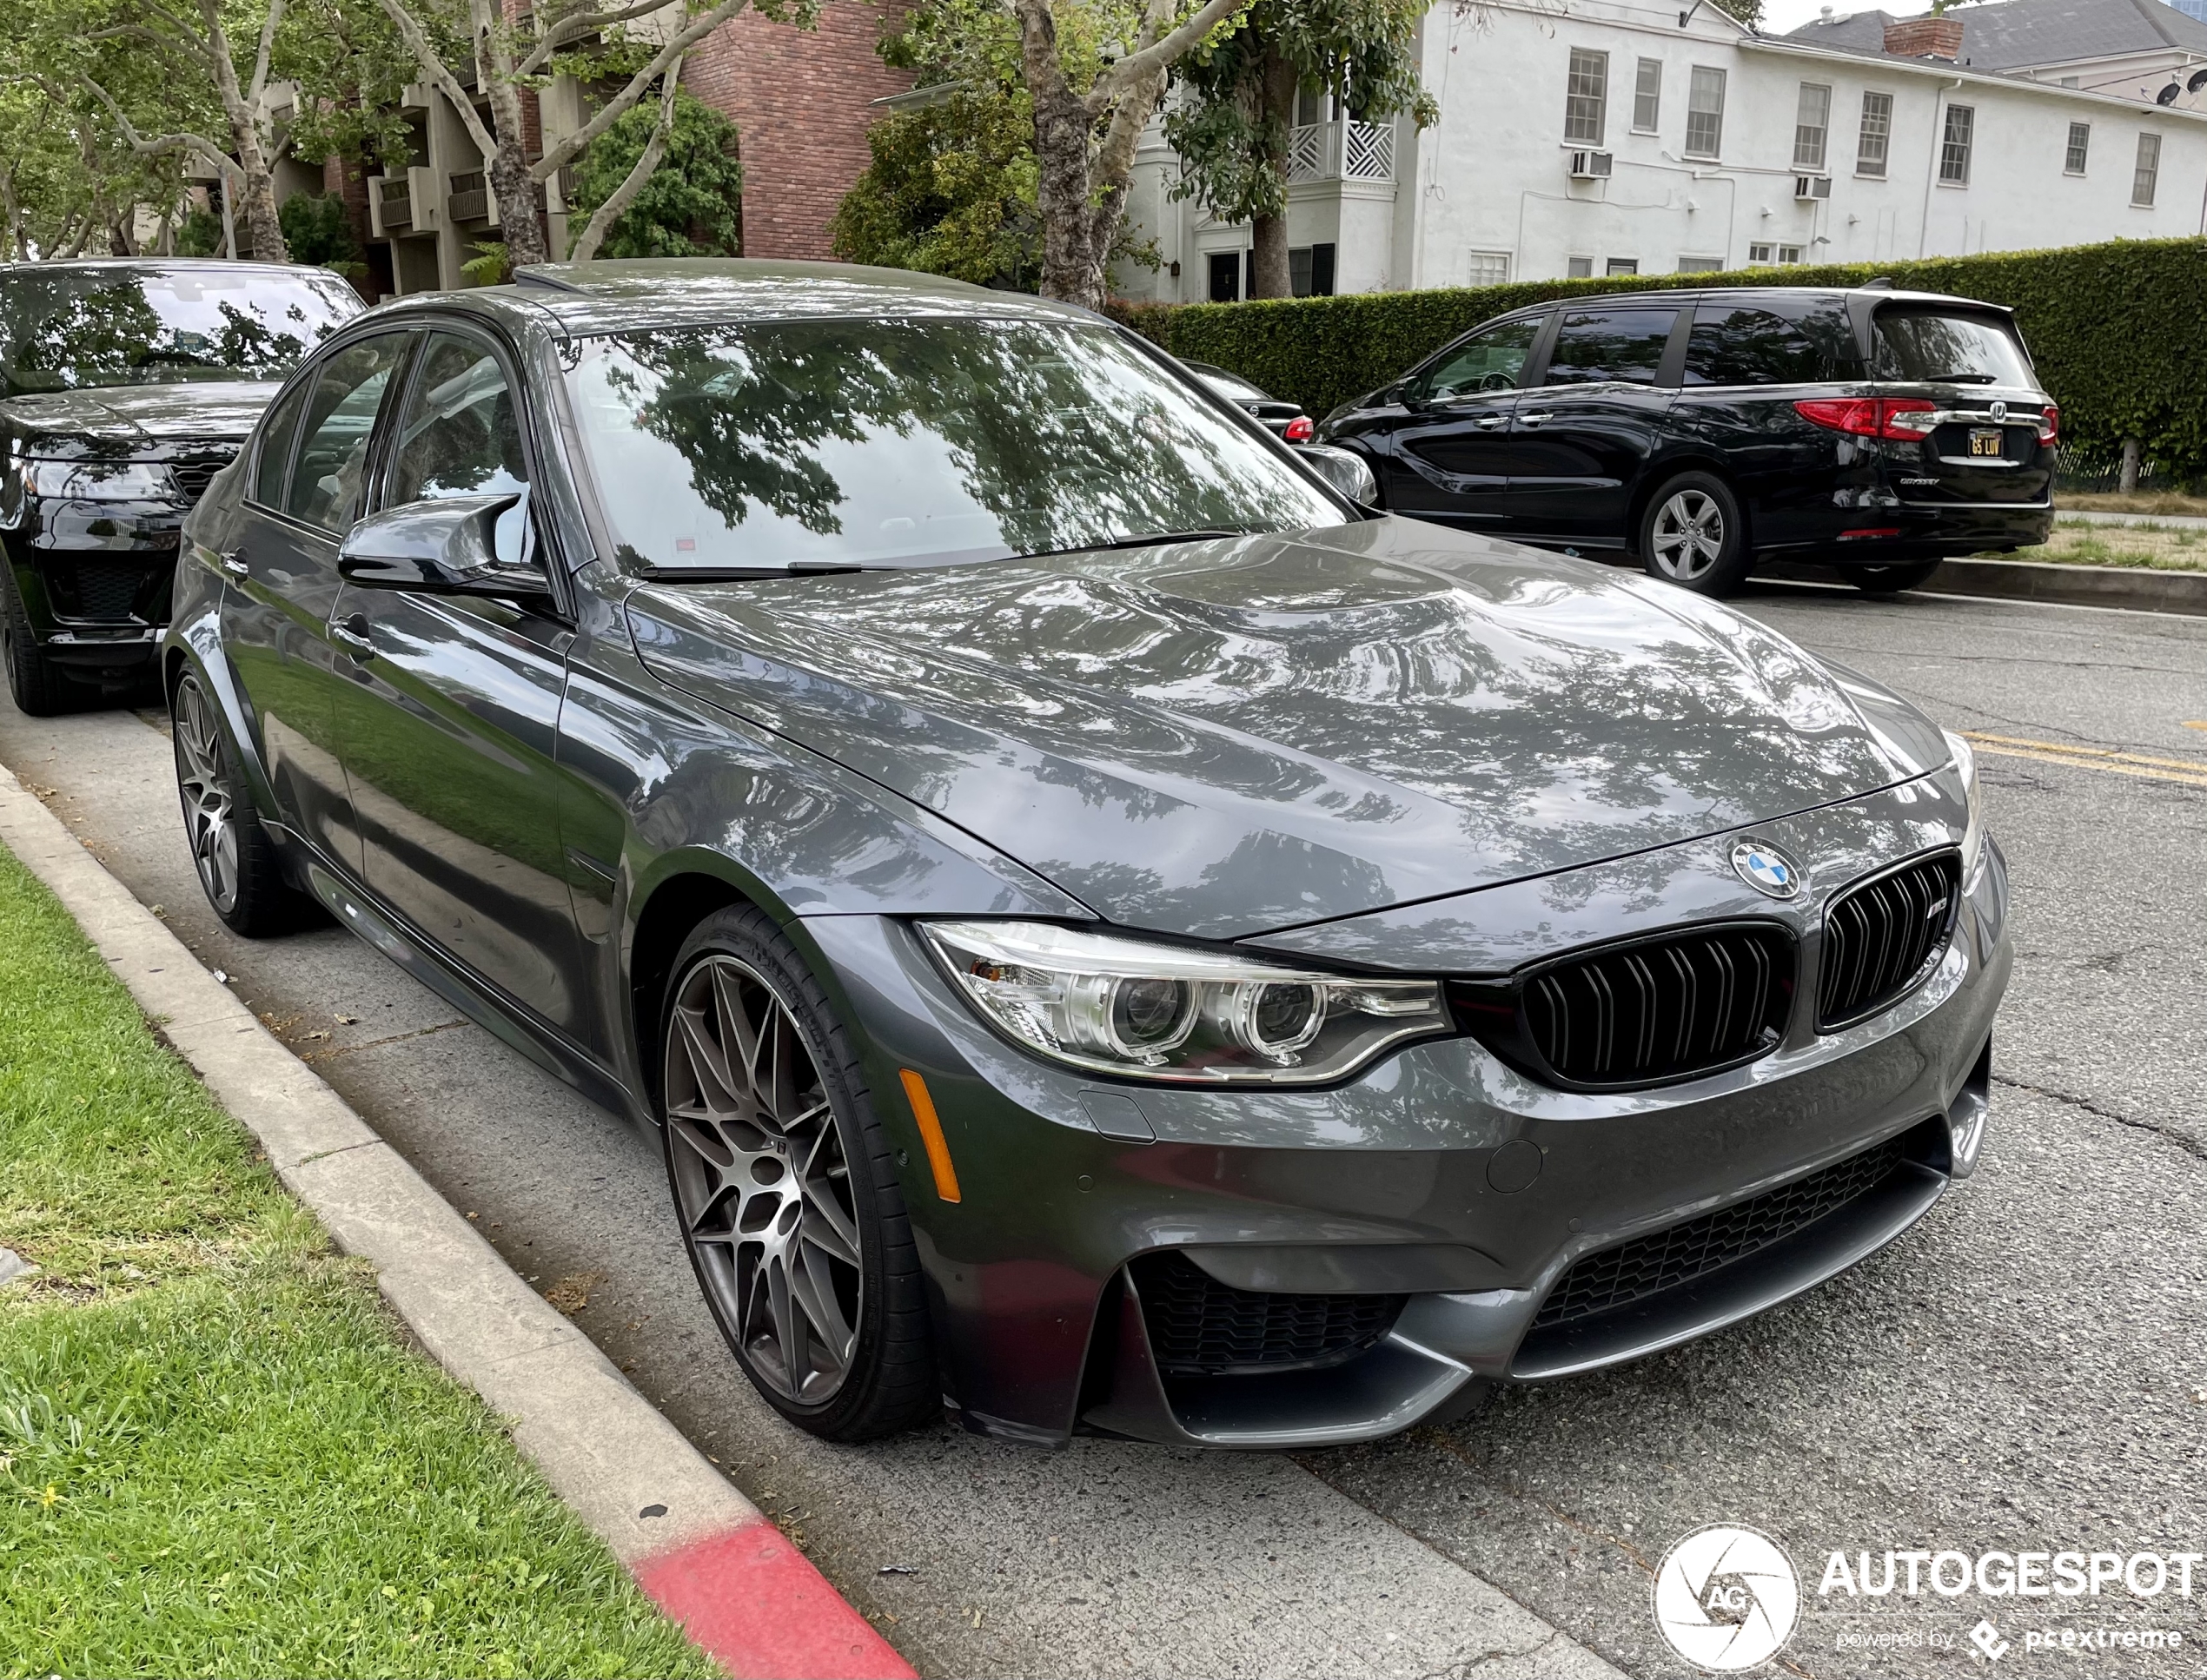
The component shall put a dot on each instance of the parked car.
(1704, 432)
(130, 384)
(1282, 419)
(1110, 931)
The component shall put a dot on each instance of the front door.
(1450, 460)
(450, 727)
(1582, 437)
(307, 492)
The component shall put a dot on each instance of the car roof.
(1697, 293)
(588, 298)
(162, 265)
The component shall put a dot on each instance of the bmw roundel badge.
(1765, 869)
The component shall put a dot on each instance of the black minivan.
(1702, 431)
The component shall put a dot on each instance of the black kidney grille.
(1879, 937)
(1649, 1265)
(1662, 1009)
(1201, 1326)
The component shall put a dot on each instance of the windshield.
(1948, 349)
(63, 328)
(884, 443)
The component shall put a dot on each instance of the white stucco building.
(1652, 136)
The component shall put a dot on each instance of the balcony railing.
(395, 198)
(1345, 149)
(469, 199)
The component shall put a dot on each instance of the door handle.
(1489, 422)
(1535, 420)
(234, 563)
(353, 635)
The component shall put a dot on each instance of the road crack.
(2183, 1140)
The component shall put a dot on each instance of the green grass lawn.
(2155, 547)
(216, 1456)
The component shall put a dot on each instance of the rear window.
(1947, 349)
(1608, 345)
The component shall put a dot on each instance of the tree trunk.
(1268, 272)
(259, 186)
(1061, 128)
(510, 179)
(2131, 452)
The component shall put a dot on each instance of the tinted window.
(889, 443)
(1925, 344)
(1752, 347)
(61, 328)
(1597, 345)
(275, 448)
(460, 435)
(1492, 361)
(332, 447)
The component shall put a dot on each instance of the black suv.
(128, 384)
(1702, 432)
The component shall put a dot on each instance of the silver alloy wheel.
(211, 816)
(1688, 535)
(761, 1181)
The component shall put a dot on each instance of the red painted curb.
(763, 1613)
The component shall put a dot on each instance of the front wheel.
(1891, 579)
(786, 1189)
(35, 684)
(1694, 535)
(236, 861)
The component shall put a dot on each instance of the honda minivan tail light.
(1906, 419)
(2050, 425)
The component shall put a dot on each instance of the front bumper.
(1410, 1182)
(95, 579)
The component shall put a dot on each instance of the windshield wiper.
(1155, 540)
(734, 574)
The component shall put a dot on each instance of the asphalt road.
(2026, 1371)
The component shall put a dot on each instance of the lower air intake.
(1199, 1326)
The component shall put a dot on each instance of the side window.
(326, 484)
(1606, 345)
(458, 434)
(1492, 361)
(276, 447)
(1751, 347)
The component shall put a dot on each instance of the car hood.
(1221, 737)
(109, 418)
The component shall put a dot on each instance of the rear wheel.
(1694, 535)
(236, 861)
(786, 1189)
(1890, 580)
(38, 686)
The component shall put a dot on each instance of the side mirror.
(450, 545)
(1341, 468)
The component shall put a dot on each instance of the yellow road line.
(2185, 772)
(2190, 723)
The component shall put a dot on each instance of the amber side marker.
(930, 1135)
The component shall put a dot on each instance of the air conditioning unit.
(1812, 186)
(1590, 165)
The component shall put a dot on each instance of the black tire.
(1891, 580)
(1694, 534)
(840, 1349)
(38, 686)
(237, 861)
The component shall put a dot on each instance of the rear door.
(306, 491)
(1584, 433)
(1450, 458)
(1981, 404)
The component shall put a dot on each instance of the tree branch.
(225, 165)
(188, 48)
(433, 66)
(558, 157)
(1159, 56)
(576, 25)
(616, 206)
(258, 85)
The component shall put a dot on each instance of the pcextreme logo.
(1727, 1599)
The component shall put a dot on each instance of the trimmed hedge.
(2117, 330)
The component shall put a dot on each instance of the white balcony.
(1344, 149)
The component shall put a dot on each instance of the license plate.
(1988, 443)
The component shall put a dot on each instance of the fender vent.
(1199, 1326)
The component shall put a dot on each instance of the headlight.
(1160, 1011)
(99, 481)
(1973, 835)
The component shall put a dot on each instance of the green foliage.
(692, 206)
(492, 265)
(352, 68)
(2106, 324)
(201, 234)
(1750, 11)
(318, 227)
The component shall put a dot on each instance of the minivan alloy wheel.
(761, 1180)
(211, 816)
(1687, 537)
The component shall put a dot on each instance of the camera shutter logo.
(1727, 1599)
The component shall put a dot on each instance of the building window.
(1811, 124)
(1489, 268)
(1225, 276)
(1701, 265)
(1310, 270)
(1954, 146)
(1586, 96)
(1624, 264)
(1770, 254)
(1876, 138)
(1705, 113)
(1578, 267)
(1647, 96)
(2080, 146)
(2149, 165)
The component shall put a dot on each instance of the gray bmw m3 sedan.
(1115, 934)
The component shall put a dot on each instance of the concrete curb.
(702, 1552)
(2134, 587)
